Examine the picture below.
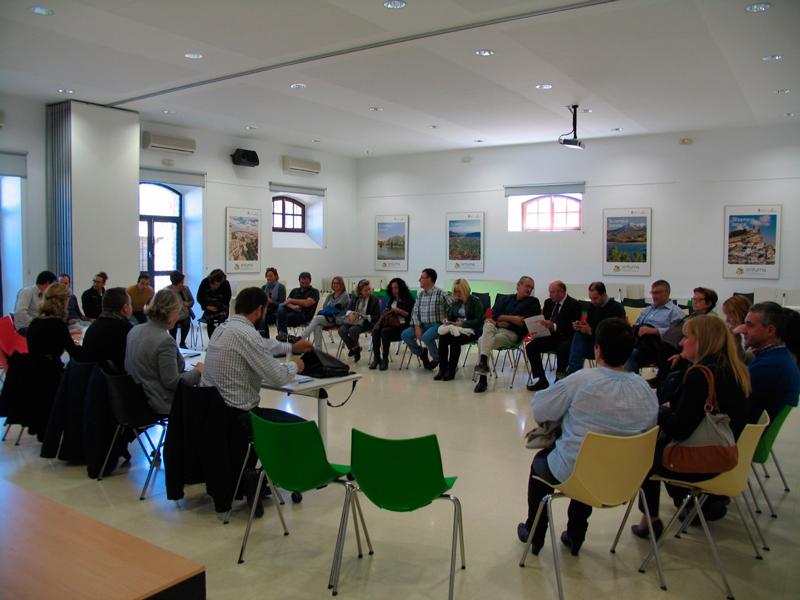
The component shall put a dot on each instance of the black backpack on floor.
(320, 365)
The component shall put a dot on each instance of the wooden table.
(50, 551)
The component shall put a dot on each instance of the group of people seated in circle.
(749, 356)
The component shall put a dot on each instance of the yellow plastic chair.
(608, 472)
(731, 483)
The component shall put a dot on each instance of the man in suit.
(560, 311)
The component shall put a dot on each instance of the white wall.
(686, 186)
(105, 195)
(248, 187)
(24, 132)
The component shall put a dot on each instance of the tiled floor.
(480, 437)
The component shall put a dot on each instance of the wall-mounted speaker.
(245, 158)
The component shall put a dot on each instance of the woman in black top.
(48, 334)
(396, 313)
(106, 338)
(710, 344)
(214, 297)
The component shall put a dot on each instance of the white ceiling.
(647, 66)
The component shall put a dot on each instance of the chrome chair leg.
(764, 468)
(355, 526)
(277, 504)
(529, 541)
(19, 437)
(772, 512)
(5, 433)
(753, 496)
(747, 529)
(154, 462)
(780, 471)
(653, 541)
(553, 543)
(691, 517)
(333, 583)
(108, 454)
(461, 532)
(660, 541)
(251, 517)
(764, 544)
(613, 549)
(453, 549)
(363, 522)
(714, 551)
(227, 518)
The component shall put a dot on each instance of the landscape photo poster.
(242, 240)
(752, 242)
(627, 236)
(391, 243)
(465, 241)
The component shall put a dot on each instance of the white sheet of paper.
(534, 325)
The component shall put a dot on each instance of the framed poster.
(242, 240)
(391, 243)
(465, 241)
(752, 242)
(627, 234)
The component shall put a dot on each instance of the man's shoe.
(482, 368)
(357, 355)
(281, 337)
(642, 532)
(351, 352)
(293, 339)
(373, 364)
(522, 534)
(433, 364)
(574, 547)
(384, 364)
(481, 386)
(542, 384)
(449, 376)
(426, 362)
(440, 375)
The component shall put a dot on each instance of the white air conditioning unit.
(300, 165)
(155, 141)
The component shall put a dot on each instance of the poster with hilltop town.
(243, 232)
(752, 242)
(391, 243)
(465, 242)
(627, 234)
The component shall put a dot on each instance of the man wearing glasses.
(92, 299)
(430, 311)
(653, 323)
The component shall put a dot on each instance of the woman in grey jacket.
(152, 357)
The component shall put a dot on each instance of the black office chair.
(635, 302)
(132, 412)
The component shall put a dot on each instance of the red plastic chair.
(10, 341)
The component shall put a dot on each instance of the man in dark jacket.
(106, 338)
(600, 307)
(92, 299)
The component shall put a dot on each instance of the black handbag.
(320, 365)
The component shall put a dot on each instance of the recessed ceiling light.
(376, 108)
(316, 141)
(434, 127)
(251, 127)
(394, 4)
(478, 141)
(758, 7)
(298, 86)
(484, 52)
(193, 55)
(617, 129)
(544, 86)
(791, 115)
(772, 58)
(586, 110)
(168, 111)
(42, 11)
(783, 91)
(65, 91)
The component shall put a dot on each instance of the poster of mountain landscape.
(465, 241)
(626, 241)
(242, 240)
(752, 242)
(391, 243)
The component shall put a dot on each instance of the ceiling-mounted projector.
(572, 142)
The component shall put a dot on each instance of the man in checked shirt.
(430, 310)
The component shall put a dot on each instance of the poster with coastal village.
(752, 242)
(243, 229)
(465, 241)
(391, 243)
(627, 234)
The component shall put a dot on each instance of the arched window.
(160, 232)
(288, 215)
(551, 213)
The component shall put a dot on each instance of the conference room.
(616, 141)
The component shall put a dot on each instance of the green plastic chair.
(762, 454)
(401, 476)
(293, 458)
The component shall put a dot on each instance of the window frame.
(151, 220)
(550, 198)
(283, 214)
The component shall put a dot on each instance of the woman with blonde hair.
(152, 357)
(48, 334)
(710, 349)
(335, 305)
(464, 320)
(361, 316)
